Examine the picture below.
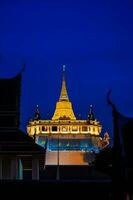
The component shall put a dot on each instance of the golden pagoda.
(63, 106)
(72, 137)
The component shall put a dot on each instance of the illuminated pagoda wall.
(64, 132)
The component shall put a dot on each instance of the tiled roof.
(12, 141)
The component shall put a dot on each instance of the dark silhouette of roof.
(12, 139)
(127, 133)
(10, 89)
(16, 141)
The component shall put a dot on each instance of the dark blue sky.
(94, 39)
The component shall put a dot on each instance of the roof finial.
(37, 113)
(91, 115)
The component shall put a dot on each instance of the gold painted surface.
(63, 106)
(63, 111)
(63, 95)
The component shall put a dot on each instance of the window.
(64, 129)
(54, 128)
(74, 128)
(44, 128)
(84, 128)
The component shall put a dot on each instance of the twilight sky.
(94, 39)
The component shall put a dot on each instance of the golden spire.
(63, 109)
(63, 95)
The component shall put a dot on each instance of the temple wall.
(67, 158)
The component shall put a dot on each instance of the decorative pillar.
(16, 169)
(78, 130)
(20, 170)
(50, 129)
(58, 129)
(35, 169)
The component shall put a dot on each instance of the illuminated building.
(65, 134)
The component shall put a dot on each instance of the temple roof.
(16, 141)
(10, 89)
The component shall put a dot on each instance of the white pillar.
(58, 129)
(20, 170)
(35, 169)
(0, 168)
